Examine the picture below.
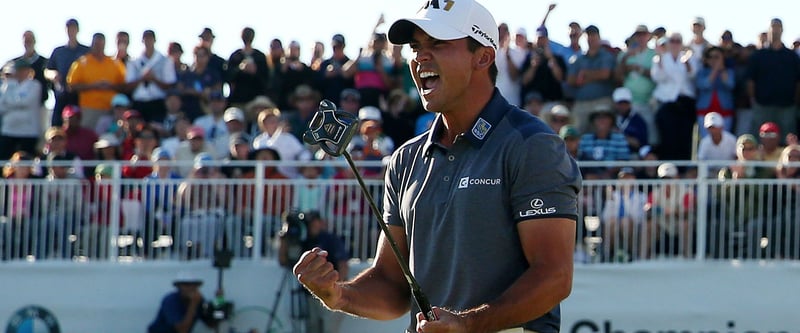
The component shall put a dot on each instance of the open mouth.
(429, 81)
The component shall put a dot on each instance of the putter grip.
(423, 303)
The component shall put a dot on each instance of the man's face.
(28, 40)
(99, 45)
(234, 126)
(770, 140)
(623, 107)
(149, 41)
(593, 40)
(775, 31)
(698, 28)
(196, 144)
(442, 70)
(72, 31)
(123, 41)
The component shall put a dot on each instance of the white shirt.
(508, 87)
(213, 127)
(724, 151)
(672, 78)
(160, 66)
(288, 147)
(20, 108)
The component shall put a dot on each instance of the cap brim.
(402, 31)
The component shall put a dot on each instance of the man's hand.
(318, 276)
(447, 322)
(195, 297)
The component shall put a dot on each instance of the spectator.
(676, 116)
(698, 44)
(311, 194)
(58, 68)
(149, 78)
(238, 151)
(107, 148)
(399, 114)
(542, 71)
(774, 74)
(633, 71)
(783, 228)
(213, 123)
(113, 122)
(371, 144)
(20, 109)
(316, 56)
(160, 192)
(623, 216)
(294, 73)
(647, 153)
(573, 50)
(132, 122)
(629, 121)
(198, 83)
(305, 102)
(670, 209)
(746, 151)
(558, 117)
(330, 78)
(769, 135)
(37, 62)
(534, 104)
(603, 143)
(273, 136)
(123, 41)
(181, 309)
(277, 192)
(216, 63)
(372, 71)
(715, 84)
(174, 139)
(719, 144)
(20, 202)
(145, 141)
(571, 139)
(175, 53)
(248, 74)
(189, 149)
(509, 61)
(56, 145)
(251, 112)
(61, 207)
(202, 205)
(96, 78)
(234, 124)
(350, 101)
(591, 76)
(276, 57)
(174, 108)
(80, 140)
(95, 235)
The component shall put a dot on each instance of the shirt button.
(451, 158)
(447, 178)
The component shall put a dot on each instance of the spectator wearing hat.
(542, 71)
(159, 194)
(213, 123)
(95, 235)
(175, 53)
(602, 143)
(55, 145)
(350, 101)
(145, 141)
(571, 138)
(647, 153)
(278, 193)
(234, 123)
(629, 122)
(149, 77)
(509, 61)
(715, 86)
(202, 205)
(773, 78)
(58, 66)
(251, 112)
(633, 72)
(113, 123)
(239, 147)
(623, 216)
(305, 102)
(719, 144)
(188, 150)
(107, 148)
(331, 80)
(37, 62)
(216, 63)
(248, 74)
(180, 310)
(96, 78)
(174, 109)
(699, 43)
(274, 136)
(63, 198)
(80, 140)
(671, 214)
(294, 73)
(22, 202)
(131, 123)
(769, 137)
(747, 151)
(20, 109)
(675, 117)
(558, 117)
(181, 127)
(591, 77)
(198, 83)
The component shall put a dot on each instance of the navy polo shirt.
(775, 74)
(171, 313)
(62, 58)
(460, 205)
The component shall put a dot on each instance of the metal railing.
(122, 219)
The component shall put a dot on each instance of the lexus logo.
(537, 203)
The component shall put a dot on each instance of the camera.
(216, 310)
(294, 232)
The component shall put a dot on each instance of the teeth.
(425, 75)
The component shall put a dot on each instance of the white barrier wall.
(685, 297)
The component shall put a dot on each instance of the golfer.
(483, 205)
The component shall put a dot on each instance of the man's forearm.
(369, 295)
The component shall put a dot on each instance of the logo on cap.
(477, 30)
(435, 4)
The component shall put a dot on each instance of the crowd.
(658, 97)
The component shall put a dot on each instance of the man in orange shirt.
(96, 78)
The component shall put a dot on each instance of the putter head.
(332, 130)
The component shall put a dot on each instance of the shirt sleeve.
(172, 309)
(545, 179)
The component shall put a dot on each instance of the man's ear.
(484, 58)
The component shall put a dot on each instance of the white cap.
(713, 119)
(622, 94)
(186, 277)
(106, 140)
(233, 113)
(559, 110)
(699, 20)
(667, 170)
(369, 113)
(449, 20)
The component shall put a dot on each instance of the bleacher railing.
(702, 217)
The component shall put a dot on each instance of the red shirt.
(80, 141)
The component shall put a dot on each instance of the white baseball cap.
(667, 170)
(370, 113)
(559, 110)
(622, 94)
(713, 119)
(449, 20)
(233, 113)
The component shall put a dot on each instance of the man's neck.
(459, 117)
(72, 43)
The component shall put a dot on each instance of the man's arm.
(380, 292)
(548, 245)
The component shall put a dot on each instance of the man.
(180, 310)
(20, 109)
(699, 43)
(215, 63)
(96, 78)
(319, 320)
(149, 77)
(591, 77)
(35, 60)
(330, 79)
(718, 145)
(526, 260)
(248, 74)
(629, 122)
(213, 123)
(543, 71)
(194, 145)
(603, 143)
(769, 137)
(633, 71)
(57, 68)
(509, 61)
(774, 74)
(80, 140)
(123, 41)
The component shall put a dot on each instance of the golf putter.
(332, 130)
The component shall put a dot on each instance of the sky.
(317, 20)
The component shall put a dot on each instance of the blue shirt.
(596, 89)
(63, 57)
(612, 148)
(171, 312)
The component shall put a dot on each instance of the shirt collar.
(483, 126)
